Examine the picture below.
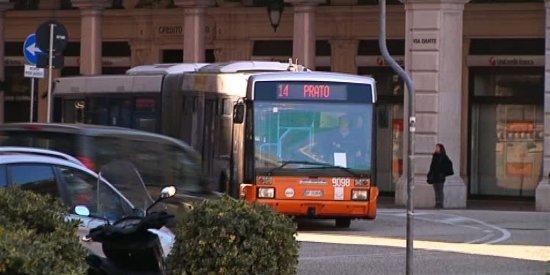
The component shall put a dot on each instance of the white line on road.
(483, 239)
(505, 233)
(456, 220)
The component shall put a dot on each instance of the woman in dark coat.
(440, 168)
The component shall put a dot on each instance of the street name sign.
(32, 71)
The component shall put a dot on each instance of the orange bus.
(312, 145)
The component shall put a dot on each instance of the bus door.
(208, 144)
(223, 143)
(188, 122)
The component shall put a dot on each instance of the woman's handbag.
(449, 168)
(430, 178)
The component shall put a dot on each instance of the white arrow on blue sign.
(30, 50)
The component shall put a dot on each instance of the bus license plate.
(339, 193)
(313, 193)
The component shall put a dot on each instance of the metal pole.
(32, 100)
(50, 61)
(412, 120)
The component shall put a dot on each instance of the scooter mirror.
(82, 210)
(167, 192)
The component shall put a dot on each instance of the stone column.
(542, 193)
(91, 12)
(193, 28)
(342, 57)
(4, 5)
(434, 57)
(303, 47)
(142, 43)
(42, 96)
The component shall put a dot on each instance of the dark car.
(160, 160)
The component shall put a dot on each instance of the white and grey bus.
(271, 132)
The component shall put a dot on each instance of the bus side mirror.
(238, 113)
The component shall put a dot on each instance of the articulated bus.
(269, 132)
(299, 141)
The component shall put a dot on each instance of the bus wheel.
(343, 223)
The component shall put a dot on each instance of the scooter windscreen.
(124, 176)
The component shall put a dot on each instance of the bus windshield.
(334, 134)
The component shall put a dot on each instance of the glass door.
(389, 145)
(507, 121)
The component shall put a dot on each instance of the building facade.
(478, 68)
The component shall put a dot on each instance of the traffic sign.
(30, 50)
(34, 72)
(60, 36)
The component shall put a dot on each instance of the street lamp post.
(275, 11)
(412, 120)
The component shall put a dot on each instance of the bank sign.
(170, 30)
(505, 61)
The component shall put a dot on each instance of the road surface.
(446, 242)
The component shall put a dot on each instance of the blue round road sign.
(31, 50)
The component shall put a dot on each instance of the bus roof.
(163, 69)
(232, 77)
(108, 84)
(230, 84)
(245, 66)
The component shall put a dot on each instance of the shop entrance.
(506, 131)
(389, 123)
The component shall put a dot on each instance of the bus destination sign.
(305, 91)
(313, 91)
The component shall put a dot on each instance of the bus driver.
(347, 147)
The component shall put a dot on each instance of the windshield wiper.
(322, 165)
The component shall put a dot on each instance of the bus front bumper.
(323, 209)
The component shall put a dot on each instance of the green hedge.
(35, 238)
(227, 236)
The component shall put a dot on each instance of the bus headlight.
(266, 192)
(360, 195)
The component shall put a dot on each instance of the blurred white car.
(39, 152)
(74, 185)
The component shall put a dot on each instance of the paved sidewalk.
(498, 204)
